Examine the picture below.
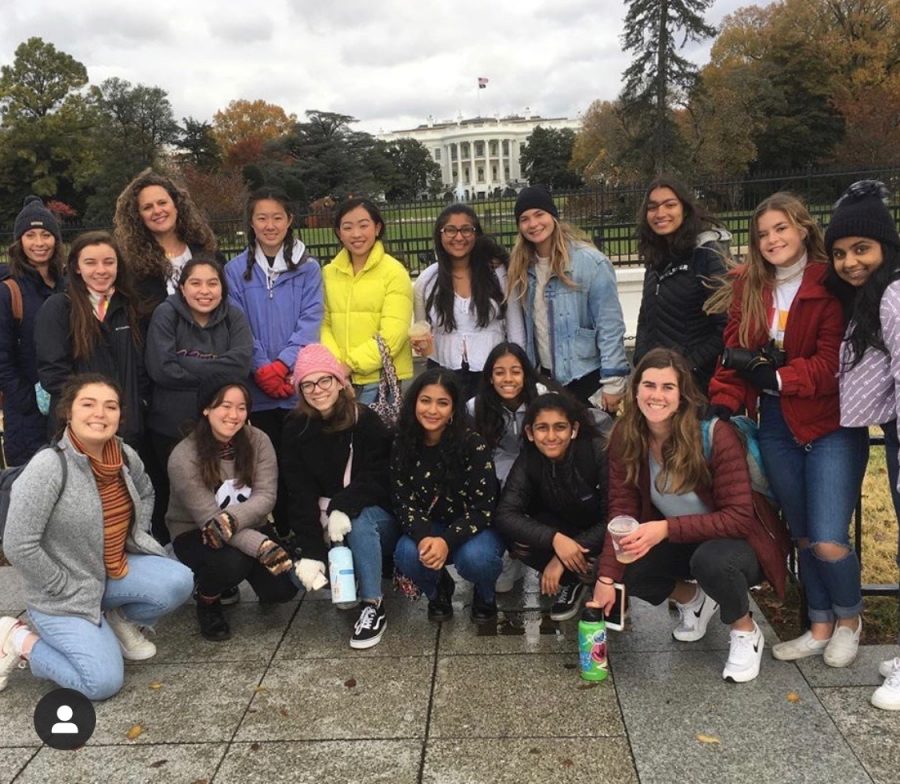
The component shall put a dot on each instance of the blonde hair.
(757, 274)
(524, 253)
(684, 465)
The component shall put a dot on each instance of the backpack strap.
(707, 426)
(15, 297)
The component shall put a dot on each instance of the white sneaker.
(799, 648)
(744, 655)
(9, 656)
(843, 645)
(135, 647)
(887, 696)
(888, 666)
(695, 617)
(512, 571)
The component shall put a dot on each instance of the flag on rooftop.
(482, 82)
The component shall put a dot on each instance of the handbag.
(387, 403)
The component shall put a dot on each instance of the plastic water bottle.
(592, 645)
(340, 572)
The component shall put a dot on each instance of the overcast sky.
(389, 63)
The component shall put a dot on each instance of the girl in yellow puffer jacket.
(367, 292)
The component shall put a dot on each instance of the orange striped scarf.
(118, 508)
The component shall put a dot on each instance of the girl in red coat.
(781, 359)
(695, 509)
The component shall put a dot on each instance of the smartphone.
(615, 618)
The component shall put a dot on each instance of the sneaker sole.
(883, 705)
(131, 656)
(749, 675)
(361, 645)
(840, 663)
(792, 656)
(567, 615)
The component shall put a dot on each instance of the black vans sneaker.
(369, 626)
(483, 611)
(567, 601)
(213, 625)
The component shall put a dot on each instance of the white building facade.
(479, 155)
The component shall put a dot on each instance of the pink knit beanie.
(315, 358)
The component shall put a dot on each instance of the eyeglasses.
(325, 383)
(451, 231)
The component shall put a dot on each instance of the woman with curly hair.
(462, 295)
(692, 495)
(444, 492)
(159, 228)
(680, 244)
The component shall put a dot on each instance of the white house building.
(481, 154)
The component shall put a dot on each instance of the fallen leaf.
(155, 685)
(260, 690)
(254, 747)
(569, 666)
(591, 685)
(350, 683)
(708, 738)
(567, 763)
(534, 750)
(158, 763)
(135, 732)
(284, 712)
(200, 781)
(793, 697)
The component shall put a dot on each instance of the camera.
(744, 360)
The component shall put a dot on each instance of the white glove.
(311, 573)
(338, 526)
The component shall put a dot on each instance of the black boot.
(441, 607)
(213, 625)
(483, 611)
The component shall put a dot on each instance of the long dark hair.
(487, 294)
(862, 306)
(83, 323)
(490, 419)
(271, 193)
(209, 449)
(70, 391)
(19, 264)
(410, 434)
(655, 250)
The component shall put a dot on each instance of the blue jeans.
(818, 485)
(892, 456)
(81, 655)
(366, 393)
(374, 532)
(479, 560)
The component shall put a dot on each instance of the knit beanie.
(315, 358)
(535, 197)
(862, 212)
(35, 215)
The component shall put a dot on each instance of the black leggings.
(724, 568)
(218, 570)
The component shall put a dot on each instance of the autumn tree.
(599, 154)
(659, 77)
(545, 157)
(44, 126)
(243, 128)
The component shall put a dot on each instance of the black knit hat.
(211, 384)
(862, 212)
(35, 215)
(535, 197)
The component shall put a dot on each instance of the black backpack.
(9, 475)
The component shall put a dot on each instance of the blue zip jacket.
(587, 330)
(283, 318)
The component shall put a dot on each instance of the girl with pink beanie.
(335, 454)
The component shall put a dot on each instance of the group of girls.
(433, 499)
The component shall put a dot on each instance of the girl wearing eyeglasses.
(336, 452)
(462, 296)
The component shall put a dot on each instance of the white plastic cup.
(618, 528)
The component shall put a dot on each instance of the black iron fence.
(606, 213)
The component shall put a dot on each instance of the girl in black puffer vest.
(684, 250)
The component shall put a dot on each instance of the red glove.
(272, 379)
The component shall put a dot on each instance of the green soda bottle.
(592, 645)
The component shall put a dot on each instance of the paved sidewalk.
(288, 700)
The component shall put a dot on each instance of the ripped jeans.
(818, 485)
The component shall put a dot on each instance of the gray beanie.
(35, 215)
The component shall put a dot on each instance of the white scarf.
(279, 265)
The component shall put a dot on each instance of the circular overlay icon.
(64, 719)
